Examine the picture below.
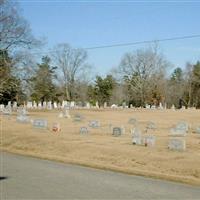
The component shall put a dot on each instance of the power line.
(130, 43)
(143, 42)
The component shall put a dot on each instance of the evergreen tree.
(43, 87)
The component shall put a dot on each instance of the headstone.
(198, 130)
(34, 104)
(23, 119)
(22, 111)
(49, 105)
(40, 123)
(55, 106)
(61, 115)
(147, 106)
(173, 107)
(77, 118)
(132, 121)
(72, 104)
(160, 106)
(9, 104)
(136, 136)
(114, 106)
(40, 105)
(150, 127)
(94, 124)
(149, 140)
(177, 144)
(88, 105)
(2, 107)
(56, 127)
(7, 110)
(153, 107)
(180, 129)
(29, 105)
(124, 105)
(97, 104)
(14, 105)
(117, 131)
(44, 104)
(66, 113)
(83, 130)
(105, 105)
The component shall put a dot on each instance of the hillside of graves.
(149, 142)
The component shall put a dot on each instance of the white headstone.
(40, 105)
(55, 106)
(29, 105)
(44, 104)
(49, 105)
(72, 104)
(97, 104)
(34, 104)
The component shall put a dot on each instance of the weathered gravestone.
(149, 140)
(83, 130)
(150, 127)
(117, 131)
(2, 107)
(66, 113)
(136, 136)
(94, 124)
(40, 123)
(180, 129)
(23, 119)
(77, 118)
(7, 110)
(132, 121)
(177, 144)
(198, 130)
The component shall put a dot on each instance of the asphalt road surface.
(30, 178)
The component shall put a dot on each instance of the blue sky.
(86, 24)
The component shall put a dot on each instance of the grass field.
(100, 149)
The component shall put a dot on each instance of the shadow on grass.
(3, 178)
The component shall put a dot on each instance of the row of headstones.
(49, 105)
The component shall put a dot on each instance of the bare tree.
(71, 65)
(14, 29)
(141, 71)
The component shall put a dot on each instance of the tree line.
(142, 76)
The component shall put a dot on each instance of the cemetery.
(150, 142)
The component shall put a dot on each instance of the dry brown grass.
(101, 150)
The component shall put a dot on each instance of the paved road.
(30, 178)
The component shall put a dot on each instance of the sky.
(95, 23)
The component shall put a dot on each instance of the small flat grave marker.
(23, 119)
(83, 130)
(94, 124)
(132, 121)
(151, 125)
(78, 118)
(177, 144)
(40, 123)
(117, 131)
